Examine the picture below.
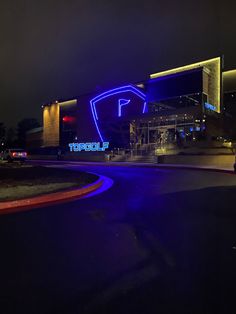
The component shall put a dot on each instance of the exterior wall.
(51, 117)
(229, 81)
(214, 86)
(68, 122)
(112, 127)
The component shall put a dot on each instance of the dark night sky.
(60, 49)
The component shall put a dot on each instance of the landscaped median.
(28, 186)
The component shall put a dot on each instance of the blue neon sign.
(145, 107)
(121, 102)
(210, 106)
(89, 147)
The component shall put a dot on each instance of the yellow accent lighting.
(68, 102)
(229, 73)
(186, 67)
(51, 116)
(229, 81)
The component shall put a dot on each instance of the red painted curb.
(48, 199)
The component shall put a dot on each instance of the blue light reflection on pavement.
(107, 184)
(156, 239)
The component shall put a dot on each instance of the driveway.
(158, 241)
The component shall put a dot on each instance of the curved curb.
(141, 164)
(49, 199)
(197, 168)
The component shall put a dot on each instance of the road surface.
(158, 241)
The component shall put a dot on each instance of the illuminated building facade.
(184, 104)
(229, 87)
(229, 102)
(174, 107)
(59, 123)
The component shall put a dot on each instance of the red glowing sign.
(68, 119)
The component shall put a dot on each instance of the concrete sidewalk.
(223, 168)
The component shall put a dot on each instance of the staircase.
(144, 158)
(141, 159)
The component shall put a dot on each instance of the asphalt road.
(158, 241)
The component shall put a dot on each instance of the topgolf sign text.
(89, 147)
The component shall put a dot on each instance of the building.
(229, 103)
(176, 107)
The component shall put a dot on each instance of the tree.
(11, 137)
(2, 133)
(22, 127)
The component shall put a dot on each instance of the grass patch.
(17, 182)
